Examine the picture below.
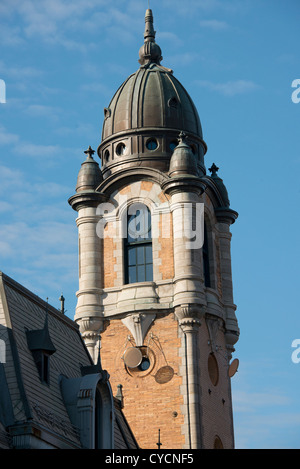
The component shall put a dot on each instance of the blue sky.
(62, 61)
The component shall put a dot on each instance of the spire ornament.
(213, 169)
(150, 52)
(89, 152)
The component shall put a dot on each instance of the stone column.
(189, 321)
(225, 218)
(189, 296)
(188, 276)
(89, 309)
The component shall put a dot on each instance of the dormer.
(41, 346)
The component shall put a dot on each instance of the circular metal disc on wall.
(164, 374)
(233, 367)
(132, 357)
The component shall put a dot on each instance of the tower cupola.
(145, 116)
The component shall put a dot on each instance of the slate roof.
(23, 396)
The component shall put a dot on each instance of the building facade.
(154, 262)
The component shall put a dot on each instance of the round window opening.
(173, 102)
(213, 369)
(121, 149)
(152, 144)
(143, 364)
(106, 155)
(173, 145)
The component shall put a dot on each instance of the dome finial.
(149, 34)
(150, 51)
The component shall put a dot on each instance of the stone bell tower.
(154, 262)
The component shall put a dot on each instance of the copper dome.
(150, 106)
(151, 97)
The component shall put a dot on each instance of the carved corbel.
(213, 325)
(138, 324)
(90, 329)
(188, 315)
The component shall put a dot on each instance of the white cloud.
(7, 138)
(185, 58)
(5, 206)
(170, 37)
(250, 402)
(41, 151)
(96, 88)
(230, 88)
(41, 110)
(55, 21)
(215, 25)
(81, 128)
(19, 72)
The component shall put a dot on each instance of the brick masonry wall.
(149, 405)
(216, 409)
(166, 253)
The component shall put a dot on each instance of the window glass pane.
(131, 256)
(141, 273)
(148, 250)
(148, 221)
(149, 273)
(138, 244)
(151, 144)
(139, 224)
(131, 229)
(132, 275)
(142, 223)
(140, 255)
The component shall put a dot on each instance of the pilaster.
(188, 317)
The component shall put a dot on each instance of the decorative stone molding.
(137, 296)
(190, 314)
(232, 330)
(213, 325)
(231, 337)
(90, 325)
(138, 324)
(88, 219)
(90, 329)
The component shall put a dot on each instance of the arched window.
(206, 267)
(103, 417)
(138, 245)
(98, 421)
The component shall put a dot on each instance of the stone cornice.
(226, 215)
(129, 175)
(87, 199)
(186, 183)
